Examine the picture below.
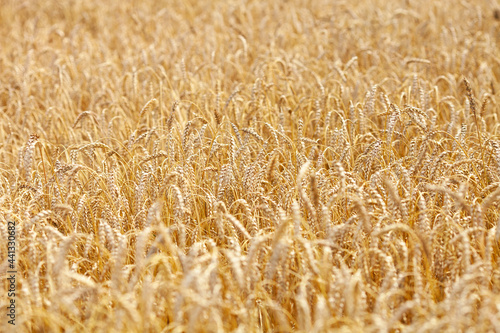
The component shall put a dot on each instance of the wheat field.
(250, 166)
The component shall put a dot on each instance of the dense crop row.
(251, 166)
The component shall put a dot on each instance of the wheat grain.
(293, 185)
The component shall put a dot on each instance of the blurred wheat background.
(251, 166)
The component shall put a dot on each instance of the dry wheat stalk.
(291, 185)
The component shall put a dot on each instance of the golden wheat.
(250, 166)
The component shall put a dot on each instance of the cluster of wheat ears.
(251, 166)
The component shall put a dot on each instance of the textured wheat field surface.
(250, 166)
